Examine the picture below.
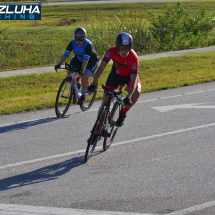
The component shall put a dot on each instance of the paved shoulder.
(177, 53)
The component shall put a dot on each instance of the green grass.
(34, 1)
(42, 43)
(83, 14)
(31, 92)
(40, 46)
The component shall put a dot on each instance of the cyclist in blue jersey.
(86, 59)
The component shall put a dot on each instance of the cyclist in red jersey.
(124, 70)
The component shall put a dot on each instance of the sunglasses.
(123, 48)
(79, 39)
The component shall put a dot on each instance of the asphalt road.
(162, 160)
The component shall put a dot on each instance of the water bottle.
(78, 88)
(79, 94)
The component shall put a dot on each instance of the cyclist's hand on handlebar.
(68, 67)
(56, 67)
(91, 88)
(127, 101)
(81, 72)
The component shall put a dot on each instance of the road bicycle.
(70, 91)
(105, 125)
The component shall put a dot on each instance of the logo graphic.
(107, 55)
(120, 65)
(20, 12)
(134, 66)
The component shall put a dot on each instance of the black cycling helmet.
(124, 40)
(80, 34)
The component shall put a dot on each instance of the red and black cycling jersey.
(123, 66)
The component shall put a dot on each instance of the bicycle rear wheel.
(64, 97)
(89, 97)
(95, 137)
(111, 129)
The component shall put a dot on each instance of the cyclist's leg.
(91, 66)
(84, 84)
(87, 100)
(112, 82)
(89, 71)
(135, 96)
(134, 99)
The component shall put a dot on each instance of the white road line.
(6, 209)
(13, 209)
(164, 134)
(115, 144)
(193, 209)
(169, 97)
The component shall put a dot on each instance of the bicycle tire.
(89, 100)
(96, 137)
(111, 129)
(63, 98)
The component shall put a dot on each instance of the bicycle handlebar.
(71, 69)
(111, 92)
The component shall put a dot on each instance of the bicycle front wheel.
(89, 98)
(111, 129)
(64, 97)
(96, 136)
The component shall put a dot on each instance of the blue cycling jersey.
(86, 51)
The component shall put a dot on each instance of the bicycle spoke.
(63, 98)
(111, 129)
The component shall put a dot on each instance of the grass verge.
(42, 43)
(32, 92)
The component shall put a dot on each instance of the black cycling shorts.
(114, 79)
(91, 66)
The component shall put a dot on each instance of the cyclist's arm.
(69, 49)
(133, 85)
(67, 52)
(63, 59)
(100, 70)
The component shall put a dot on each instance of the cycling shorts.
(114, 80)
(91, 66)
